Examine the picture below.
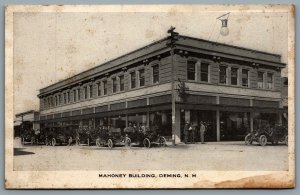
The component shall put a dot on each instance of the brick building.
(232, 89)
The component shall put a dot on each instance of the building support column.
(187, 115)
(251, 122)
(126, 120)
(279, 116)
(148, 119)
(177, 133)
(218, 125)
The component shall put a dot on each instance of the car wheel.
(147, 143)
(286, 140)
(98, 142)
(263, 140)
(53, 142)
(248, 139)
(127, 142)
(110, 143)
(162, 141)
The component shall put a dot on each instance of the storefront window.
(261, 120)
(196, 116)
(101, 122)
(118, 122)
(234, 125)
(138, 119)
(161, 122)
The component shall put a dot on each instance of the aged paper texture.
(149, 96)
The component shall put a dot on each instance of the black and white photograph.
(149, 96)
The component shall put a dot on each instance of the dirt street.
(209, 156)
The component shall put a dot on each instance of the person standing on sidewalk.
(186, 132)
(202, 132)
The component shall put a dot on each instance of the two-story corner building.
(232, 89)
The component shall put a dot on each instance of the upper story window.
(78, 94)
(234, 76)
(132, 80)
(50, 103)
(65, 98)
(191, 70)
(223, 74)
(141, 77)
(91, 90)
(85, 92)
(260, 80)
(121, 81)
(269, 80)
(104, 87)
(155, 74)
(114, 85)
(245, 76)
(99, 89)
(68, 96)
(74, 96)
(204, 71)
(55, 101)
(59, 99)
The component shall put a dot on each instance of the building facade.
(232, 89)
(26, 121)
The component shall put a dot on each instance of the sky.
(52, 46)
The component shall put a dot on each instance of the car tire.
(53, 142)
(110, 143)
(127, 142)
(98, 144)
(146, 143)
(286, 140)
(248, 139)
(162, 141)
(263, 140)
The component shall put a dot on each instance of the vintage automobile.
(151, 137)
(39, 137)
(59, 135)
(145, 137)
(110, 137)
(83, 136)
(275, 134)
(28, 136)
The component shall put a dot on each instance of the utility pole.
(173, 37)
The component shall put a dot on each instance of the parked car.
(146, 137)
(27, 136)
(110, 137)
(60, 135)
(275, 134)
